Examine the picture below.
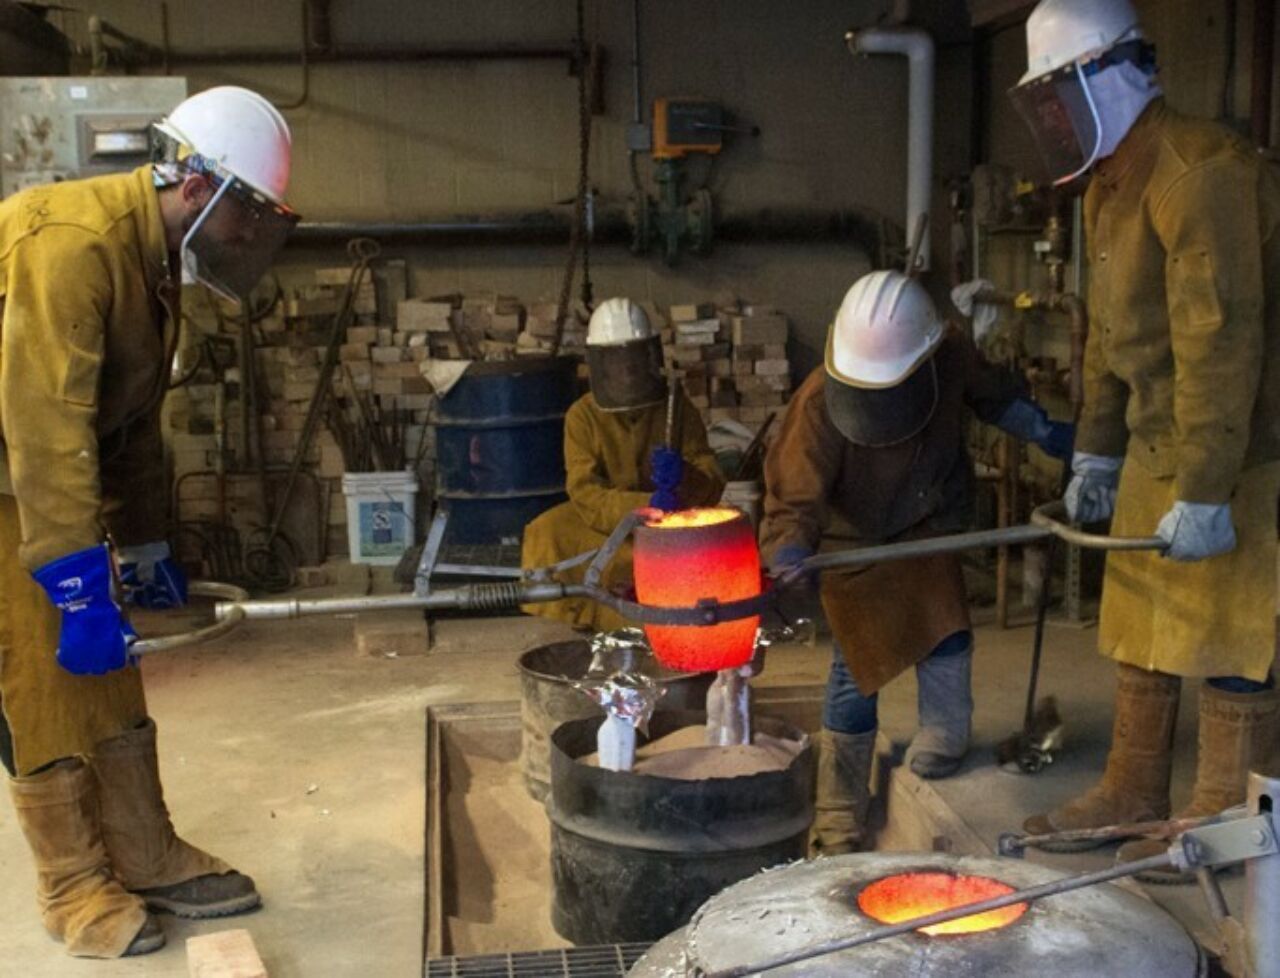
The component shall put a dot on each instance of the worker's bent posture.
(879, 438)
(617, 460)
(1180, 433)
(90, 277)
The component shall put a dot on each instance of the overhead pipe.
(610, 226)
(318, 45)
(918, 48)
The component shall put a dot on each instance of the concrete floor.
(302, 763)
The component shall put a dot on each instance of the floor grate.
(602, 961)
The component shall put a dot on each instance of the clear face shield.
(1063, 112)
(1060, 111)
(234, 240)
(236, 236)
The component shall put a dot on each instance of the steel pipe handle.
(1052, 517)
(224, 623)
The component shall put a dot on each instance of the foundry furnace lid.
(1094, 932)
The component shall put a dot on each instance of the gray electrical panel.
(63, 128)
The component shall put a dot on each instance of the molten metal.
(894, 899)
(684, 557)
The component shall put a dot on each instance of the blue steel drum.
(500, 446)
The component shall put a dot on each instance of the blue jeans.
(1238, 684)
(847, 711)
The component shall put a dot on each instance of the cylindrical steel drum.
(500, 446)
(634, 855)
(548, 699)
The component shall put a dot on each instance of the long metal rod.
(708, 611)
(1027, 895)
(1012, 844)
(468, 597)
(1037, 648)
(909, 549)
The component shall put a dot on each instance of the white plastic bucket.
(746, 496)
(380, 509)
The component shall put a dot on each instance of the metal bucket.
(634, 855)
(548, 699)
(500, 446)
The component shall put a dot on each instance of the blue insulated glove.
(1197, 531)
(1091, 493)
(151, 577)
(667, 469)
(787, 557)
(95, 637)
(1029, 422)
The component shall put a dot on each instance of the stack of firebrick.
(730, 356)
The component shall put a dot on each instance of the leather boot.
(844, 792)
(147, 855)
(1237, 731)
(1135, 784)
(945, 704)
(81, 903)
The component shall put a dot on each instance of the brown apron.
(1214, 617)
(888, 617)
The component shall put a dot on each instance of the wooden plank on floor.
(224, 954)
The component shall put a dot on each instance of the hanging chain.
(579, 240)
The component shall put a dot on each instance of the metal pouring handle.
(1046, 521)
(224, 623)
(1051, 516)
(533, 589)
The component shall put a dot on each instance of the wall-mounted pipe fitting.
(917, 47)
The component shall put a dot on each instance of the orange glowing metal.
(685, 518)
(683, 557)
(897, 898)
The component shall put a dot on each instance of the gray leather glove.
(1091, 494)
(1197, 531)
(984, 315)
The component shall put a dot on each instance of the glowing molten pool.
(683, 557)
(897, 898)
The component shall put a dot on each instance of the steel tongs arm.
(1046, 521)
(227, 594)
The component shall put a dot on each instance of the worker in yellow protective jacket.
(1180, 432)
(617, 459)
(89, 291)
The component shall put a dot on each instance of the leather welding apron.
(888, 617)
(1214, 617)
(51, 713)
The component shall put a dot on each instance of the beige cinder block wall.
(389, 141)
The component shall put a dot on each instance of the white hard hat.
(241, 132)
(618, 321)
(887, 326)
(1061, 32)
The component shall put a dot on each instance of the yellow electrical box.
(682, 126)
